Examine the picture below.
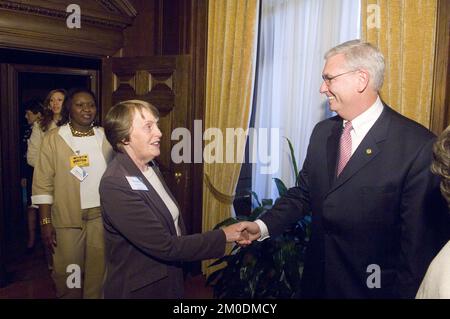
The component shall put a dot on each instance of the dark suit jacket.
(384, 209)
(143, 251)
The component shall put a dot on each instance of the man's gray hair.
(362, 55)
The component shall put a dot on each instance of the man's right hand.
(250, 232)
(48, 235)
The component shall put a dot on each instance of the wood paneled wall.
(176, 27)
(141, 39)
(41, 25)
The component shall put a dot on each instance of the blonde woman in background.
(52, 115)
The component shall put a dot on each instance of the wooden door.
(164, 82)
(12, 210)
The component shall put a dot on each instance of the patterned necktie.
(345, 147)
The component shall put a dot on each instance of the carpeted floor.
(29, 278)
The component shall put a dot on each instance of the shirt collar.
(367, 118)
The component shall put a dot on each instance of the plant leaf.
(235, 247)
(269, 269)
(294, 161)
(241, 218)
(256, 213)
(212, 277)
(267, 202)
(226, 222)
(221, 260)
(282, 189)
(256, 198)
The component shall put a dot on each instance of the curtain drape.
(294, 36)
(404, 30)
(231, 59)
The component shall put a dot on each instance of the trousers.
(79, 258)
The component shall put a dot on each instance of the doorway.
(25, 76)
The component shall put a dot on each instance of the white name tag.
(136, 183)
(79, 173)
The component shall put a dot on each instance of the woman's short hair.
(119, 120)
(362, 55)
(441, 162)
(65, 110)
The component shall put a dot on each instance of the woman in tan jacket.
(49, 117)
(71, 162)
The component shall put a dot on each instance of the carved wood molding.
(154, 86)
(119, 6)
(42, 26)
(112, 6)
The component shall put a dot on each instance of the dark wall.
(141, 39)
(162, 27)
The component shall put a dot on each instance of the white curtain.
(294, 36)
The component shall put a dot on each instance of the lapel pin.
(368, 151)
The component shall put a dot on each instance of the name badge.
(79, 173)
(136, 183)
(79, 160)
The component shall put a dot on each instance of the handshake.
(243, 233)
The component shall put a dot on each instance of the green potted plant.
(268, 269)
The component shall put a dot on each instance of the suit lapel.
(332, 150)
(369, 148)
(152, 195)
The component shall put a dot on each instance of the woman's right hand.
(234, 233)
(48, 235)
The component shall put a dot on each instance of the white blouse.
(89, 193)
(436, 284)
(153, 179)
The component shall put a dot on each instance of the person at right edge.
(377, 213)
(436, 284)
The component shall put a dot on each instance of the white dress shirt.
(364, 122)
(153, 179)
(89, 187)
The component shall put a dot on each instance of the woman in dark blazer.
(146, 240)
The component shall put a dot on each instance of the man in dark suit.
(366, 180)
